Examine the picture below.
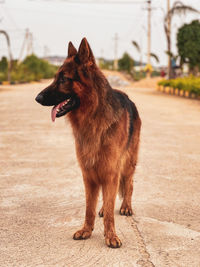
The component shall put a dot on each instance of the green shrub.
(31, 69)
(138, 75)
(3, 76)
(38, 68)
(126, 63)
(190, 84)
(164, 83)
(3, 65)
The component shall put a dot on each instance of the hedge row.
(188, 84)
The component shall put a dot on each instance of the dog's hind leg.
(109, 195)
(126, 181)
(92, 192)
(125, 188)
(126, 207)
(127, 171)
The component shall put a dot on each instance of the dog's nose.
(39, 98)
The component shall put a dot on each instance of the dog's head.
(67, 88)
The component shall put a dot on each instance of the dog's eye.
(63, 79)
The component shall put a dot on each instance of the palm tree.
(178, 8)
(9, 53)
(136, 45)
(155, 57)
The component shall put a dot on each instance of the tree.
(9, 53)
(178, 9)
(188, 44)
(4, 65)
(126, 63)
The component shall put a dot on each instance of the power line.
(87, 14)
(106, 2)
(102, 2)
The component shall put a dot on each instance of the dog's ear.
(85, 52)
(71, 50)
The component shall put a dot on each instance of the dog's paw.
(113, 241)
(101, 212)
(82, 234)
(126, 211)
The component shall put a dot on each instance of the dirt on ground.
(42, 199)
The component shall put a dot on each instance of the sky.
(54, 23)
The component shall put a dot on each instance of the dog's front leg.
(92, 192)
(110, 188)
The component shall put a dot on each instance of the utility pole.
(149, 33)
(23, 45)
(30, 44)
(149, 37)
(101, 60)
(46, 52)
(169, 38)
(102, 52)
(115, 52)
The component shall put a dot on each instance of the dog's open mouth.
(62, 108)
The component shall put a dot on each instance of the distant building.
(55, 60)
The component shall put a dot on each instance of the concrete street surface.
(42, 200)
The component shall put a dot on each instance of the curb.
(5, 83)
(177, 92)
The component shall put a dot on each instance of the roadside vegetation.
(188, 46)
(30, 69)
(190, 84)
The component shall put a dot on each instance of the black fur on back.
(127, 104)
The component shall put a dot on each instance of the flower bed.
(191, 85)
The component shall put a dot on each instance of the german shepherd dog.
(106, 127)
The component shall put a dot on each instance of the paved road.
(42, 195)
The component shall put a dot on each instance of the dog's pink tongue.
(54, 112)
